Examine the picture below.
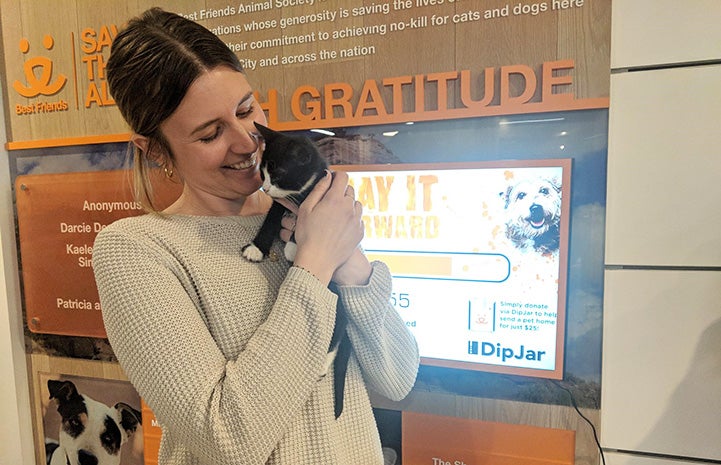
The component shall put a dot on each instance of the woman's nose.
(245, 137)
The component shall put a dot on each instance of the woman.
(227, 353)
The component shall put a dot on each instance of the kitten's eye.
(521, 195)
(544, 190)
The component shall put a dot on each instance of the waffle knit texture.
(227, 353)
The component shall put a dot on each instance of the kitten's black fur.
(291, 166)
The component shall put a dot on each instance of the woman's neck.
(256, 203)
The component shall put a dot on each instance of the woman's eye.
(244, 112)
(211, 137)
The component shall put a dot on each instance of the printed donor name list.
(59, 216)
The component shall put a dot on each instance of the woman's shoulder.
(131, 224)
(133, 229)
(178, 228)
(159, 220)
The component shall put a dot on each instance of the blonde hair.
(142, 179)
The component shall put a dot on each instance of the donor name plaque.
(59, 216)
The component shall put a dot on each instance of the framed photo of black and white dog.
(88, 420)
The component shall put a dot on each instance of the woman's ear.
(150, 150)
(141, 142)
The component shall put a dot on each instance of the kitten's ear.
(267, 133)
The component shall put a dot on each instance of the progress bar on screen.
(449, 266)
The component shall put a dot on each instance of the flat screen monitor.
(478, 254)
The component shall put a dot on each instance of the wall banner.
(321, 64)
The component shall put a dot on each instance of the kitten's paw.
(289, 251)
(252, 253)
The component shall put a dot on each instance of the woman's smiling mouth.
(249, 163)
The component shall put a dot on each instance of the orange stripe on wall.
(456, 113)
(67, 141)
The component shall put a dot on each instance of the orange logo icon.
(39, 84)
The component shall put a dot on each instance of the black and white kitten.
(290, 168)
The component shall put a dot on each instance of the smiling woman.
(213, 146)
(137, 75)
(226, 352)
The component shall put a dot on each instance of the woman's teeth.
(245, 164)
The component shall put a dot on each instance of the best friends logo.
(48, 87)
(39, 80)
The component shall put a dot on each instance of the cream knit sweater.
(227, 353)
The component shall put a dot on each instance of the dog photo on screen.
(533, 213)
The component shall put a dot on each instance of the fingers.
(329, 225)
(288, 204)
(340, 181)
(287, 225)
(333, 185)
(289, 221)
(350, 194)
(333, 189)
(318, 192)
(340, 184)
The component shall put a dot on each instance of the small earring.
(168, 172)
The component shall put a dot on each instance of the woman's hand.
(328, 229)
(288, 222)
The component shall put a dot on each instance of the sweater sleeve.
(224, 411)
(385, 348)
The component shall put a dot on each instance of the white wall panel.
(16, 432)
(662, 362)
(664, 166)
(651, 32)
